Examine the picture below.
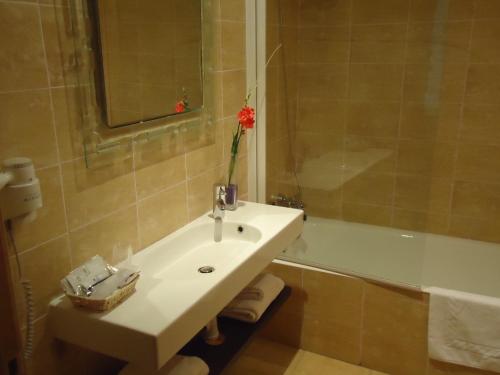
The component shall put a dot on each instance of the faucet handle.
(219, 195)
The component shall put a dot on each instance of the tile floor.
(264, 357)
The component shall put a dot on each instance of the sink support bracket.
(212, 335)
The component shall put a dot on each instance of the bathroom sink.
(186, 279)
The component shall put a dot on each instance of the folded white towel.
(464, 329)
(179, 365)
(258, 287)
(250, 310)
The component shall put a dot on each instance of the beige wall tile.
(324, 81)
(332, 315)
(59, 45)
(359, 189)
(311, 145)
(476, 200)
(421, 157)
(487, 9)
(481, 229)
(478, 162)
(198, 161)
(375, 82)
(357, 147)
(234, 91)
(92, 193)
(324, 202)
(484, 39)
(23, 66)
(329, 338)
(480, 123)
(336, 297)
(66, 102)
(383, 11)
(323, 45)
(44, 266)
(378, 43)
(425, 194)
(431, 121)
(318, 12)
(158, 150)
(159, 176)
(483, 84)
(367, 214)
(426, 10)
(110, 237)
(375, 119)
(438, 42)
(51, 220)
(292, 276)
(241, 174)
(161, 214)
(394, 330)
(423, 85)
(232, 10)
(27, 128)
(200, 190)
(233, 51)
(321, 116)
(284, 328)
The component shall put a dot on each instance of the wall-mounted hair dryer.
(20, 194)
(21, 197)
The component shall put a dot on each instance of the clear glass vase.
(232, 186)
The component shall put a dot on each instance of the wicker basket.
(108, 303)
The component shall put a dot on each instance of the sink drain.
(206, 269)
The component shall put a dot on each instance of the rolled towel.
(249, 310)
(259, 287)
(179, 365)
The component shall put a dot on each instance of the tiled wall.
(157, 188)
(397, 113)
(379, 327)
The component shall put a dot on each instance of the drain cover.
(206, 269)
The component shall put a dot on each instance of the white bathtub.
(404, 258)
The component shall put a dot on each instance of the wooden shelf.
(237, 334)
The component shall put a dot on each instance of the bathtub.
(404, 258)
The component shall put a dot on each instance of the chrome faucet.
(219, 209)
(219, 206)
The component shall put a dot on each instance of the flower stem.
(234, 152)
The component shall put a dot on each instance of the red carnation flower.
(246, 117)
(180, 107)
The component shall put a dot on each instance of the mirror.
(132, 62)
(149, 59)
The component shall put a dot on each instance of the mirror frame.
(98, 137)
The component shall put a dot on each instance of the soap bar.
(89, 274)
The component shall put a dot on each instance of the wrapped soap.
(99, 286)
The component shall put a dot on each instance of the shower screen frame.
(256, 86)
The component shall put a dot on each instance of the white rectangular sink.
(173, 300)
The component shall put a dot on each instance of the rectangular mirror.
(149, 59)
(132, 62)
